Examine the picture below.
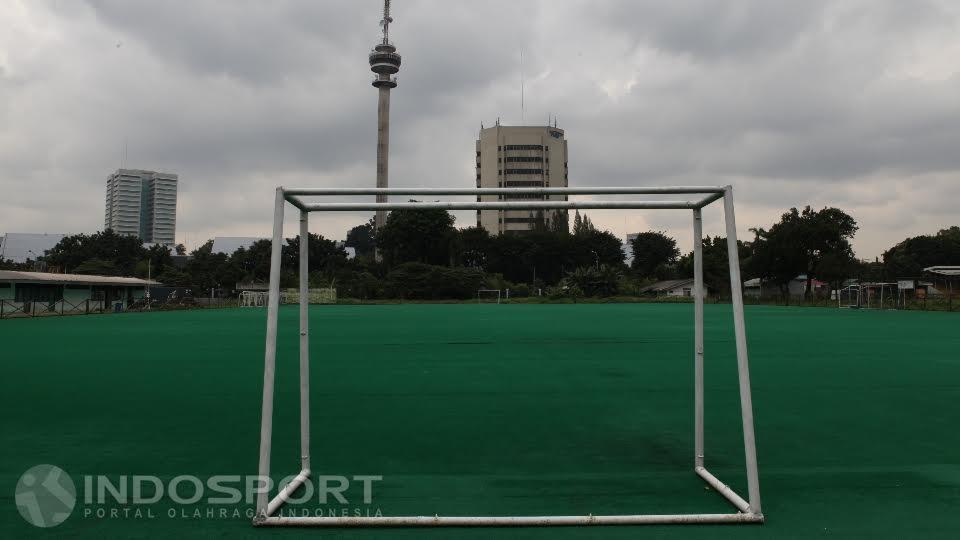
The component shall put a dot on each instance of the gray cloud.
(851, 104)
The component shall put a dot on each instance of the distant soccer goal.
(326, 295)
(488, 296)
(253, 299)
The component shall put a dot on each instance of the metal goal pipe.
(698, 338)
(270, 354)
(652, 190)
(304, 342)
(743, 363)
(505, 521)
(724, 490)
(504, 205)
(284, 495)
(750, 511)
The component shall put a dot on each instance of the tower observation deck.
(385, 63)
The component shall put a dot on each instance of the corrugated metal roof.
(667, 285)
(79, 279)
(18, 247)
(943, 270)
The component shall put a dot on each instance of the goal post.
(748, 510)
(491, 296)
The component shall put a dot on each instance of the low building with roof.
(671, 287)
(41, 292)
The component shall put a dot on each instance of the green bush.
(519, 290)
(418, 281)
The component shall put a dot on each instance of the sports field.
(500, 410)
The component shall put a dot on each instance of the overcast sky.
(854, 104)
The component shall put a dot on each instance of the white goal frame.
(253, 298)
(748, 510)
(488, 291)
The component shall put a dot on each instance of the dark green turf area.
(502, 410)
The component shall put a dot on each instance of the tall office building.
(520, 156)
(142, 203)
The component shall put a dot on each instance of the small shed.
(671, 287)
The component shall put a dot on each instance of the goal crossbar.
(748, 510)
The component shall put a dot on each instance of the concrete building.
(19, 247)
(520, 156)
(142, 203)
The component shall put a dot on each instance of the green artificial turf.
(501, 410)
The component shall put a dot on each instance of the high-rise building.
(142, 203)
(521, 156)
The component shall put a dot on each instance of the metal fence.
(12, 310)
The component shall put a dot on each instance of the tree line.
(423, 255)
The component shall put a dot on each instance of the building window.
(524, 147)
(524, 183)
(520, 220)
(524, 171)
(524, 159)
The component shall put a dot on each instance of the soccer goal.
(488, 296)
(253, 299)
(695, 198)
(849, 297)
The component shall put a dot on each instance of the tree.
(716, 264)
(208, 270)
(172, 277)
(909, 257)
(97, 267)
(122, 251)
(560, 224)
(593, 247)
(593, 281)
(582, 225)
(417, 236)
(472, 247)
(813, 242)
(323, 255)
(652, 251)
(362, 238)
(180, 249)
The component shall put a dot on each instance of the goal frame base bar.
(697, 198)
(271, 520)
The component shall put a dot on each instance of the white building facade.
(142, 203)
